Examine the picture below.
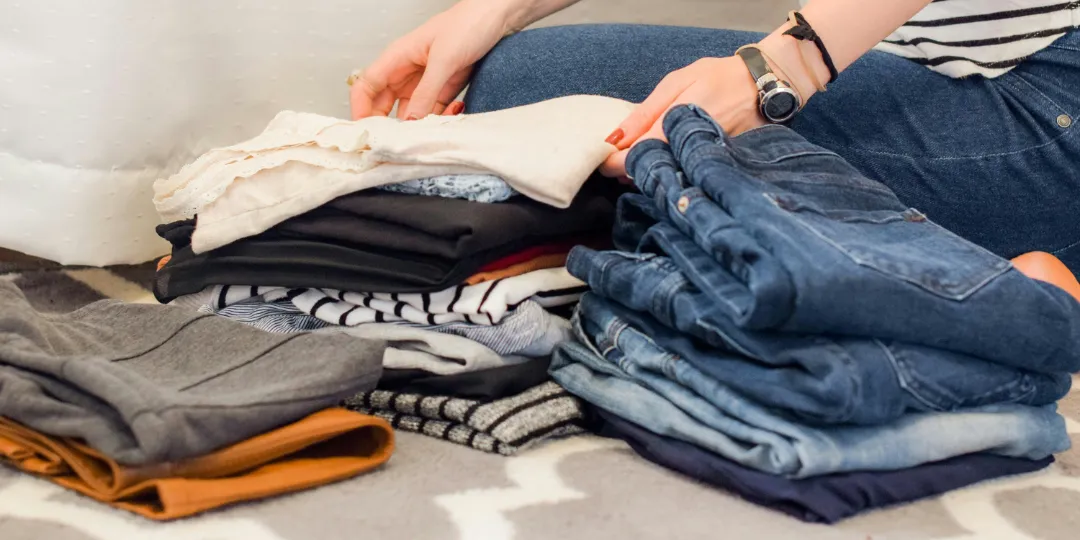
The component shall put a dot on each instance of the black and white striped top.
(985, 37)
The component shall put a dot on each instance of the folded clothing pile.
(167, 412)
(777, 324)
(447, 237)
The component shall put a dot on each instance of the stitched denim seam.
(922, 391)
(1064, 134)
(1066, 248)
(910, 386)
(1063, 48)
(795, 155)
(971, 289)
(861, 187)
(1020, 77)
(686, 133)
(667, 358)
(859, 395)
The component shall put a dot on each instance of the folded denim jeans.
(827, 498)
(817, 379)
(624, 380)
(798, 240)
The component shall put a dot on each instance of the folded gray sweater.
(148, 384)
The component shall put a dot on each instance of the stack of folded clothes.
(166, 412)
(779, 325)
(447, 237)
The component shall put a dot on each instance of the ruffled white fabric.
(301, 161)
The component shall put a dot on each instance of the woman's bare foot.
(1046, 267)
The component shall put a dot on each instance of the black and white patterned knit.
(529, 330)
(484, 303)
(503, 427)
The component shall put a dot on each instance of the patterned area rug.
(582, 487)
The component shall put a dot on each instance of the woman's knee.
(624, 61)
(524, 68)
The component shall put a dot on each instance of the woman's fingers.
(454, 108)
(369, 85)
(430, 88)
(383, 103)
(645, 115)
(657, 129)
(402, 106)
(615, 165)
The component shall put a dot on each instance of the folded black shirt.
(483, 385)
(376, 241)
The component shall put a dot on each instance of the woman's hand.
(722, 87)
(428, 67)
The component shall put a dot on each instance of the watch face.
(780, 106)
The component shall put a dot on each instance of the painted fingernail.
(615, 137)
(456, 107)
(625, 180)
(411, 117)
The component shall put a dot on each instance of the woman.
(966, 109)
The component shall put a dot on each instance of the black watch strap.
(755, 62)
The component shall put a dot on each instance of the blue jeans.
(984, 158)
(626, 373)
(785, 235)
(816, 379)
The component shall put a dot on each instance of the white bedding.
(98, 98)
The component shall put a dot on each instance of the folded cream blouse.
(301, 161)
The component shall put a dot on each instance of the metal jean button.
(683, 204)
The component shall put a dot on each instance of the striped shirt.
(981, 37)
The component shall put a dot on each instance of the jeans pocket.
(904, 245)
(945, 381)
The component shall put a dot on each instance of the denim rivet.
(683, 204)
(1064, 120)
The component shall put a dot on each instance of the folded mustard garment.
(325, 447)
(542, 262)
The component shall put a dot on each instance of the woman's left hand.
(722, 87)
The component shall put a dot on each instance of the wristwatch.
(777, 100)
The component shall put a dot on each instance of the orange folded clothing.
(324, 447)
(539, 263)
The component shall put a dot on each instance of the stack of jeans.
(778, 324)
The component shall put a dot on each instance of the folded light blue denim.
(798, 240)
(639, 381)
(816, 379)
(482, 188)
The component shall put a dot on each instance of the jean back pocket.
(902, 244)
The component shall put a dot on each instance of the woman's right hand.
(427, 68)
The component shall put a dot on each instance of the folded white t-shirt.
(301, 161)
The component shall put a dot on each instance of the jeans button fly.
(683, 204)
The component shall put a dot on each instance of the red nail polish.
(411, 117)
(615, 137)
(456, 107)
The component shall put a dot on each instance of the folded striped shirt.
(528, 331)
(484, 303)
(503, 427)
